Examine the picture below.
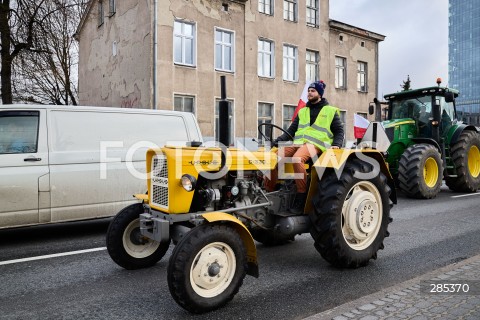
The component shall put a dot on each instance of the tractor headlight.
(188, 182)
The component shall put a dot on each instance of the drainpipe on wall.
(155, 53)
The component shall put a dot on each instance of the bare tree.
(38, 50)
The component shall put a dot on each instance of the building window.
(290, 10)
(265, 58)
(112, 7)
(230, 121)
(266, 6)
(100, 13)
(184, 103)
(184, 43)
(312, 69)
(265, 115)
(290, 63)
(288, 112)
(362, 76)
(362, 114)
(340, 72)
(312, 13)
(224, 50)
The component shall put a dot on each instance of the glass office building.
(464, 57)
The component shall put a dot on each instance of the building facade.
(170, 55)
(464, 57)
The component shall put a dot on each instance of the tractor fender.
(428, 141)
(337, 158)
(247, 238)
(459, 130)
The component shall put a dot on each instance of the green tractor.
(429, 143)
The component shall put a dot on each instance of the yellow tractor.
(211, 204)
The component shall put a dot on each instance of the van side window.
(18, 132)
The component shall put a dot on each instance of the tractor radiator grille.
(159, 182)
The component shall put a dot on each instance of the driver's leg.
(284, 152)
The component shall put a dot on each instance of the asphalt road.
(295, 282)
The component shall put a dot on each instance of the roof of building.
(356, 30)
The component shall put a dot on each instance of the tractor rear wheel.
(126, 245)
(207, 267)
(420, 171)
(466, 157)
(351, 215)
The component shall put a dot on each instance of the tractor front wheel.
(351, 215)
(126, 245)
(420, 171)
(466, 157)
(207, 267)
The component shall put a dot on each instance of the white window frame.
(284, 121)
(340, 73)
(362, 76)
(264, 56)
(290, 10)
(223, 46)
(183, 97)
(264, 118)
(313, 7)
(231, 118)
(266, 7)
(184, 37)
(312, 64)
(290, 61)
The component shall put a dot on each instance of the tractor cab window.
(419, 108)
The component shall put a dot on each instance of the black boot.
(299, 203)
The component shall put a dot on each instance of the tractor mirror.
(370, 109)
(449, 97)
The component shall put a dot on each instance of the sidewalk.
(413, 300)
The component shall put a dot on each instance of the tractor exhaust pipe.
(223, 123)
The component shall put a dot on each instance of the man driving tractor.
(316, 128)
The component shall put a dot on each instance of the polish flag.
(302, 102)
(360, 125)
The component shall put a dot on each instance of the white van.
(65, 163)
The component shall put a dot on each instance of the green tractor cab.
(428, 142)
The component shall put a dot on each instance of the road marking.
(48, 256)
(467, 195)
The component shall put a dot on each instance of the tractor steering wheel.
(270, 138)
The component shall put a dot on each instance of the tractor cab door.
(447, 114)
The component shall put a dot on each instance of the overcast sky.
(416, 42)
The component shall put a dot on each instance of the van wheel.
(207, 267)
(125, 244)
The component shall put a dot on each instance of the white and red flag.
(360, 125)
(302, 102)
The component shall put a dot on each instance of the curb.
(387, 303)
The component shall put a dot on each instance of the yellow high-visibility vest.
(318, 133)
